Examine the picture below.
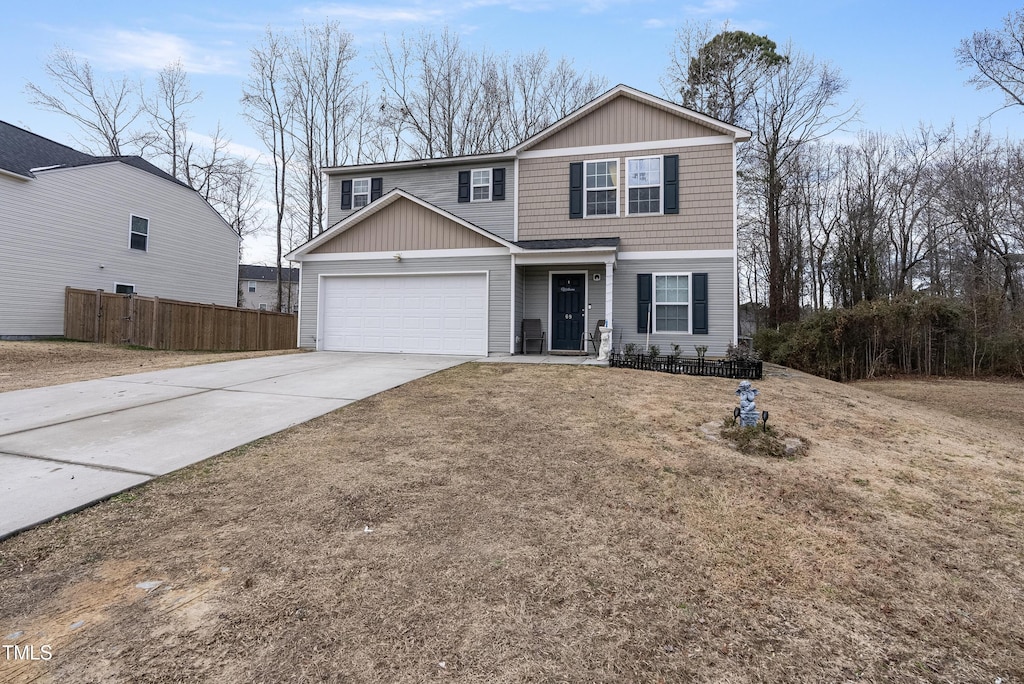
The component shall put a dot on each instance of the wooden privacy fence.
(98, 316)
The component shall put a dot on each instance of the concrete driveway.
(68, 446)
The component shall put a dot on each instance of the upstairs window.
(360, 192)
(602, 187)
(643, 183)
(481, 185)
(251, 286)
(139, 238)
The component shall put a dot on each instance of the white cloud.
(393, 15)
(125, 50)
(713, 7)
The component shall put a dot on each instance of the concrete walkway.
(68, 446)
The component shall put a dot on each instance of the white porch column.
(512, 323)
(608, 268)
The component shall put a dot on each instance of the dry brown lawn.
(39, 363)
(512, 523)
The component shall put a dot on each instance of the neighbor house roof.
(253, 272)
(23, 153)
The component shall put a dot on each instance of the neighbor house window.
(672, 302)
(602, 183)
(139, 234)
(121, 288)
(263, 307)
(360, 192)
(481, 185)
(252, 286)
(643, 183)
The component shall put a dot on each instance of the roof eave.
(417, 163)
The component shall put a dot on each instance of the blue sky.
(897, 56)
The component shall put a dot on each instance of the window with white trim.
(671, 302)
(263, 306)
(360, 192)
(251, 286)
(139, 236)
(123, 288)
(643, 185)
(480, 185)
(601, 182)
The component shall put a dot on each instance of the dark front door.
(568, 310)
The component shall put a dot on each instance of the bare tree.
(997, 58)
(268, 107)
(104, 110)
(795, 107)
(326, 100)
(168, 111)
(440, 100)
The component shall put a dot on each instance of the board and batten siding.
(498, 297)
(706, 201)
(721, 305)
(438, 185)
(70, 227)
(404, 225)
(624, 120)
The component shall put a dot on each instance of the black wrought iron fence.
(743, 370)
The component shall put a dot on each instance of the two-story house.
(117, 224)
(622, 212)
(257, 288)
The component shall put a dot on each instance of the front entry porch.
(569, 290)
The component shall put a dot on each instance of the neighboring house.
(257, 288)
(622, 211)
(117, 224)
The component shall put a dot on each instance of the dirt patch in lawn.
(508, 523)
(24, 365)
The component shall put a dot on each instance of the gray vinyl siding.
(438, 185)
(70, 227)
(721, 304)
(266, 294)
(537, 293)
(499, 281)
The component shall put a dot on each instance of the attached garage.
(426, 313)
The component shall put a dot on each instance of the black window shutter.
(346, 194)
(644, 301)
(376, 186)
(671, 183)
(463, 186)
(497, 184)
(576, 190)
(700, 303)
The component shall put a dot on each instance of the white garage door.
(424, 314)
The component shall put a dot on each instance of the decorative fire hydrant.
(747, 411)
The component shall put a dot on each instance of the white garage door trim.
(401, 332)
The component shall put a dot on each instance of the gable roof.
(381, 203)
(735, 132)
(23, 153)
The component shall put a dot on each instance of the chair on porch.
(532, 332)
(593, 338)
